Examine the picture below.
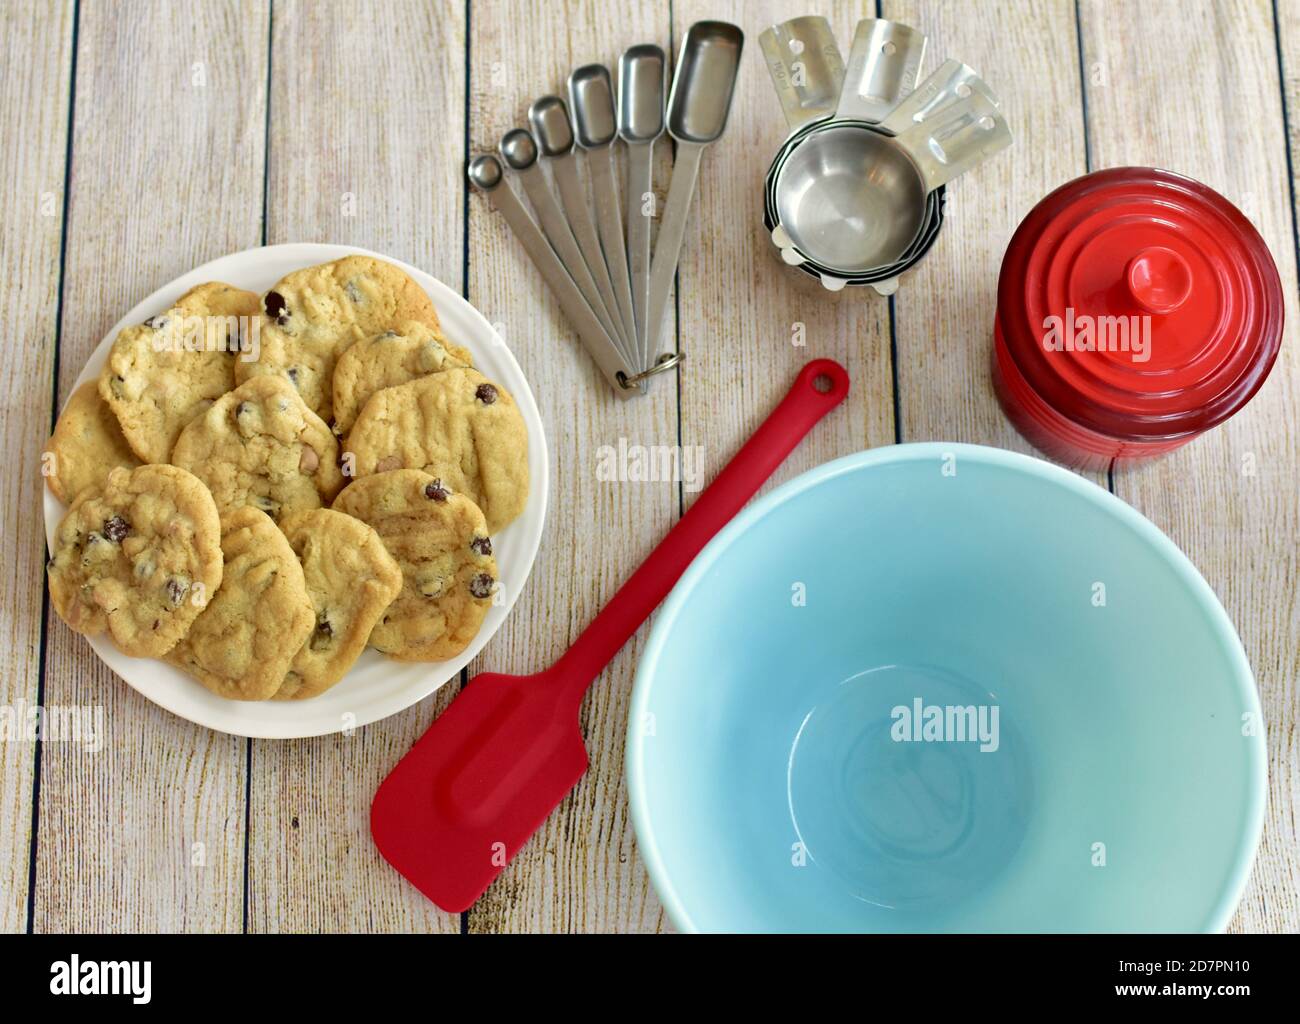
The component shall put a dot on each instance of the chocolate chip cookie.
(87, 443)
(351, 579)
(392, 357)
(139, 557)
(261, 446)
(455, 425)
(244, 641)
(314, 314)
(161, 374)
(440, 541)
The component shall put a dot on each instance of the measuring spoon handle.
(640, 170)
(672, 230)
(575, 308)
(610, 225)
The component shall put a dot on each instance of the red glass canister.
(1137, 309)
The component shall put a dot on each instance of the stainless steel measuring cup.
(950, 82)
(853, 200)
(884, 280)
(884, 65)
(806, 68)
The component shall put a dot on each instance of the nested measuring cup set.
(855, 195)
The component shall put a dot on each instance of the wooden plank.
(1028, 54)
(367, 114)
(579, 872)
(1195, 88)
(148, 833)
(35, 72)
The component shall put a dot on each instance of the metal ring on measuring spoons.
(665, 362)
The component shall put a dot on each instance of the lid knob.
(1159, 279)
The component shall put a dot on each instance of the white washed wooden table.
(143, 138)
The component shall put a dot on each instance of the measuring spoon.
(698, 103)
(591, 95)
(519, 150)
(640, 123)
(553, 131)
(486, 175)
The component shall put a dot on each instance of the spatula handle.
(820, 386)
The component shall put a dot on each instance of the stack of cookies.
(260, 487)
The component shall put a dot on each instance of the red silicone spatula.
(506, 751)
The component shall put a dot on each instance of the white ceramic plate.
(376, 687)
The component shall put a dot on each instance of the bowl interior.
(850, 199)
(945, 688)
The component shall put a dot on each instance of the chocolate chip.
(266, 504)
(354, 293)
(176, 591)
(243, 409)
(481, 585)
(486, 393)
(116, 529)
(323, 636)
(293, 375)
(276, 307)
(482, 545)
(435, 491)
(156, 323)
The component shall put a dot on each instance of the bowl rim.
(1244, 679)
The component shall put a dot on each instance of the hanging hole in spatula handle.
(828, 383)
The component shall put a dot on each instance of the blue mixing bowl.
(940, 687)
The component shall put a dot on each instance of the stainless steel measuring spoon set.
(611, 286)
(855, 195)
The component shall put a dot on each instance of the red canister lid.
(1140, 304)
